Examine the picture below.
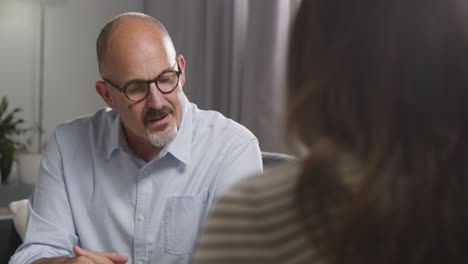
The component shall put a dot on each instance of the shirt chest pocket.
(183, 217)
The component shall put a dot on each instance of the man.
(136, 179)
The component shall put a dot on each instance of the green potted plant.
(10, 130)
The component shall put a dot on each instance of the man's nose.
(155, 97)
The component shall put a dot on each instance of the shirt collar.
(180, 147)
(116, 139)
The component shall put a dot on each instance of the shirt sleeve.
(241, 162)
(50, 229)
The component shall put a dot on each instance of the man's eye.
(163, 80)
(136, 87)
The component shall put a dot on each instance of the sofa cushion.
(19, 210)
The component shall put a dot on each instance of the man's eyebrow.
(168, 69)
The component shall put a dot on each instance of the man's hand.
(85, 256)
(100, 257)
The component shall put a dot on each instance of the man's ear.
(103, 90)
(181, 61)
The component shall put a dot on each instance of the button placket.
(142, 206)
(140, 218)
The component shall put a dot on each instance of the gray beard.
(160, 140)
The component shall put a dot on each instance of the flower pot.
(28, 167)
(13, 177)
(5, 167)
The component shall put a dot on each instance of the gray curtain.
(236, 57)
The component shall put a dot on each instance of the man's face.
(144, 54)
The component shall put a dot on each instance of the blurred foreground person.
(377, 96)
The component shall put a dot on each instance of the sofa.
(10, 240)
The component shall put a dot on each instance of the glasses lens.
(168, 81)
(136, 91)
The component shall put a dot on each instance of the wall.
(19, 54)
(70, 69)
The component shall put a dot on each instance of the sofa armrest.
(273, 159)
(10, 239)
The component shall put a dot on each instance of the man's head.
(133, 48)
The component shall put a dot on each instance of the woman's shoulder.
(268, 195)
(256, 220)
(279, 178)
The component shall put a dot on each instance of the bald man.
(133, 182)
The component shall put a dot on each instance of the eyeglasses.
(138, 90)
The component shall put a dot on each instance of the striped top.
(257, 222)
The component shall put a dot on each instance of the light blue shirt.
(92, 191)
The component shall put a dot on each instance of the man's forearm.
(86, 256)
(52, 261)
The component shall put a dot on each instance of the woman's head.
(372, 74)
(384, 81)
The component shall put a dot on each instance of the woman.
(378, 96)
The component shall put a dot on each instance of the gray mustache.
(157, 113)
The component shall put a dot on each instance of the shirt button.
(146, 173)
(140, 218)
(139, 262)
